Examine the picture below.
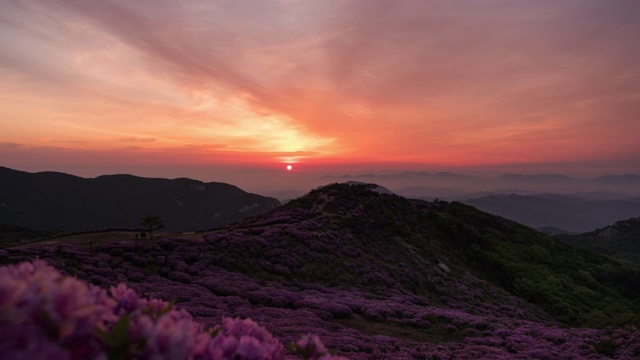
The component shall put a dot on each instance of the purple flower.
(313, 343)
(45, 315)
(127, 298)
(310, 347)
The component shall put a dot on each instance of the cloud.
(162, 39)
(10, 146)
(136, 139)
(412, 80)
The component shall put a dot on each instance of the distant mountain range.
(621, 240)
(380, 276)
(55, 200)
(548, 210)
(573, 205)
(538, 178)
(417, 175)
(612, 179)
(451, 186)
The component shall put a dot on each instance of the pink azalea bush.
(46, 315)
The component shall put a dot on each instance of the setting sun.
(175, 100)
(466, 184)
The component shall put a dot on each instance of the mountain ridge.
(381, 276)
(58, 200)
(570, 213)
(411, 223)
(621, 240)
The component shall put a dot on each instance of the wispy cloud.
(135, 139)
(425, 81)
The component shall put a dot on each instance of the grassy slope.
(577, 286)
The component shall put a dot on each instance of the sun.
(289, 167)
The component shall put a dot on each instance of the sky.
(218, 89)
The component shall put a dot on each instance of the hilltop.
(360, 232)
(51, 200)
(381, 276)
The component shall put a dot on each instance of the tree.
(152, 223)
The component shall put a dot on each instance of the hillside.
(381, 276)
(621, 240)
(404, 239)
(572, 214)
(50, 200)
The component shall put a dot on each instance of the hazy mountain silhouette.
(404, 176)
(451, 186)
(568, 213)
(373, 187)
(538, 178)
(380, 276)
(57, 200)
(427, 192)
(621, 240)
(552, 230)
(627, 179)
(285, 195)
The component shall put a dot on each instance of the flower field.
(365, 275)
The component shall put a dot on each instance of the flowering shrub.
(386, 297)
(44, 314)
(310, 347)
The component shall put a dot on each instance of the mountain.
(381, 276)
(430, 192)
(456, 187)
(373, 187)
(538, 178)
(564, 212)
(56, 200)
(401, 238)
(550, 230)
(284, 195)
(606, 187)
(596, 195)
(406, 176)
(627, 179)
(419, 184)
(621, 240)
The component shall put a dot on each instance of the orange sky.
(92, 87)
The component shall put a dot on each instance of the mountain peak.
(349, 236)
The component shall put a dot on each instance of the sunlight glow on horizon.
(415, 84)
